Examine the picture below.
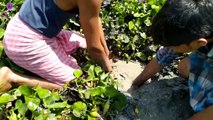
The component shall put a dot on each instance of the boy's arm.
(89, 18)
(164, 56)
(149, 71)
(206, 114)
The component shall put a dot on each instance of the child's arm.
(89, 18)
(103, 41)
(150, 70)
(164, 56)
(206, 114)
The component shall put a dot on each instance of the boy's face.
(194, 45)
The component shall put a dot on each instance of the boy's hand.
(150, 70)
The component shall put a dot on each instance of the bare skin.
(9, 78)
(90, 21)
(183, 67)
(206, 114)
(150, 70)
(92, 28)
(96, 44)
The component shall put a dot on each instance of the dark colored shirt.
(45, 16)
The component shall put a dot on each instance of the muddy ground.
(161, 98)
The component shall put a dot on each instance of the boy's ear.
(202, 42)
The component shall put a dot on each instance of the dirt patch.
(164, 98)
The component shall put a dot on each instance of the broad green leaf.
(147, 22)
(91, 71)
(137, 14)
(17, 92)
(140, 55)
(42, 93)
(94, 113)
(79, 109)
(51, 117)
(106, 107)
(143, 35)
(25, 90)
(13, 116)
(98, 70)
(1, 48)
(91, 118)
(58, 105)
(40, 117)
(80, 106)
(103, 76)
(78, 73)
(77, 113)
(111, 92)
(98, 91)
(32, 106)
(5, 98)
(155, 7)
(33, 100)
(1, 32)
(131, 25)
(51, 99)
(135, 38)
(119, 102)
(22, 107)
(126, 55)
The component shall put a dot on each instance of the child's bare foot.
(5, 79)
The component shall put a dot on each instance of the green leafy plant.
(91, 95)
(127, 24)
(6, 15)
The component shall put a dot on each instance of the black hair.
(179, 22)
(206, 10)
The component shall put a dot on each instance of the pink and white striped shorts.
(47, 57)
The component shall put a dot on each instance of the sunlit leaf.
(42, 93)
(98, 70)
(1, 47)
(103, 76)
(78, 73)
(77, 113)
(32, 106)
(51, 99)
(5, 98)
(91, 71)
(79, 109)
(32, 101)
(22, 107)
(25, 90)
(94, 92)
(1, 32)
(106, 107)
(80, 106)
(13, 116)
(131, 25)
(58, 105)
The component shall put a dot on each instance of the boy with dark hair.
(180, 27)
